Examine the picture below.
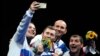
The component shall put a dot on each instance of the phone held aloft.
(42, 5)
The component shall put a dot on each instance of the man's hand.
(34, 6)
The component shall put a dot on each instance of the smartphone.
(42, 5)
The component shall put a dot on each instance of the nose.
(33, 29)
(58, 28)
(72, 42)
(48, 36)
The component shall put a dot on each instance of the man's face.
(31, 31)
(75, 44)
(60, 26)
(49, 33)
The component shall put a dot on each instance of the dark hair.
(50, 27)
(76, 35)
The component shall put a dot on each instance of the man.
(61, 28)
(18, 44)
(75, 45)
(49, 32)
(31, 32)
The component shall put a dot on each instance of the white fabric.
(66, 53)
(36, 40)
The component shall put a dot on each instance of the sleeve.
(19, 35)
(66, 53)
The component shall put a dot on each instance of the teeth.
(73, 47)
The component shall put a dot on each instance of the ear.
(65, 31)
(82, 45)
